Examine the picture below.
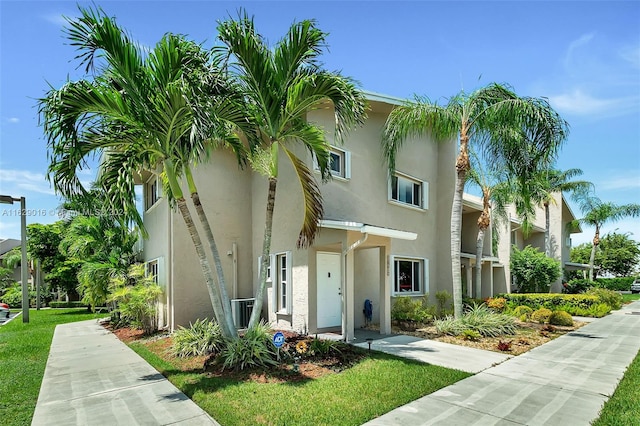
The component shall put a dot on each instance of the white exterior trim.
(368, 229)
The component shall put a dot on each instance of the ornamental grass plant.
(478, 318)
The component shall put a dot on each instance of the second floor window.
(409, 191)
(152, 193)
(339, 163)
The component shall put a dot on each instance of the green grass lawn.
(623, 409)
(630, 297)
(371, 388)
(24, 349)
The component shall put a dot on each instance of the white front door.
(329, 294)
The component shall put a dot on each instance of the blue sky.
(583, 56)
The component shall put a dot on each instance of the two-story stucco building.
(381, 236)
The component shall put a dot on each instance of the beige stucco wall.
(223, 190)
(156, 247)
(235, 201)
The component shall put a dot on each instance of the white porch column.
(349, 297)
(469, 270)
(385, 293)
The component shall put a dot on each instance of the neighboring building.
(5, 246)
(382, 236)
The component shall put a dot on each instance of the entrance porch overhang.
(363, 228)
(357, 237)
(572, 266)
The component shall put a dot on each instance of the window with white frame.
(339, 163)
(407, 190)
(279, 274)
(152, 192)
(410, 275)
(154, 269)
(284, 280)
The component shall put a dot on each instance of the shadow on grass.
(195, 380)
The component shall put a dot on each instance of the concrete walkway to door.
(458, 357)
(563, 382)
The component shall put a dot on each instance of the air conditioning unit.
(241, 311)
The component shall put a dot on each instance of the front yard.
(374, 385)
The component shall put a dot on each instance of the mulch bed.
(307, 368)
(528, 336)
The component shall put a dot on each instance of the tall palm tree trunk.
(483, 223)
(266, 251)
(479, 248)
(206, 268)
(547, 238)
(462, 168)
(224, 297)
(592, 258)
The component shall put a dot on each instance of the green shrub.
(13, 296)
(616, 283)
(609, 297)
(72, 304)
(576, 286)
(470, 335)
(560, 318)
(254, 349)
(478, 318)
(497, 304)
(445, 304)
(137, 305)
(407, 309)
(201, 338)
(523, 313)
(574, 304)
(323, 347)
(598, 311)
(532, 270)
(541, 315)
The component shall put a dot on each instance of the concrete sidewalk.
(458, 357)
(92, 378)
(563, 382)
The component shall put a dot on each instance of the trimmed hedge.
(585, 305)
(617, 284)
(551, 301)
(76, 304)
(582, 285)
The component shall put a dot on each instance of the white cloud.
(631, 54)
(620, 183)
(56, 19)
(9, 229)
(13, 120)
(24, 180)
(580, 103)
(576, 44)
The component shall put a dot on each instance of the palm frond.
(313, 207)
(415, 119)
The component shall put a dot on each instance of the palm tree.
(598, 213)
(106, 250)
(281, 86)
(157, 111)
(496, 120)
(540, 188)
(496, 194)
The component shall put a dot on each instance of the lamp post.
(7, 199)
